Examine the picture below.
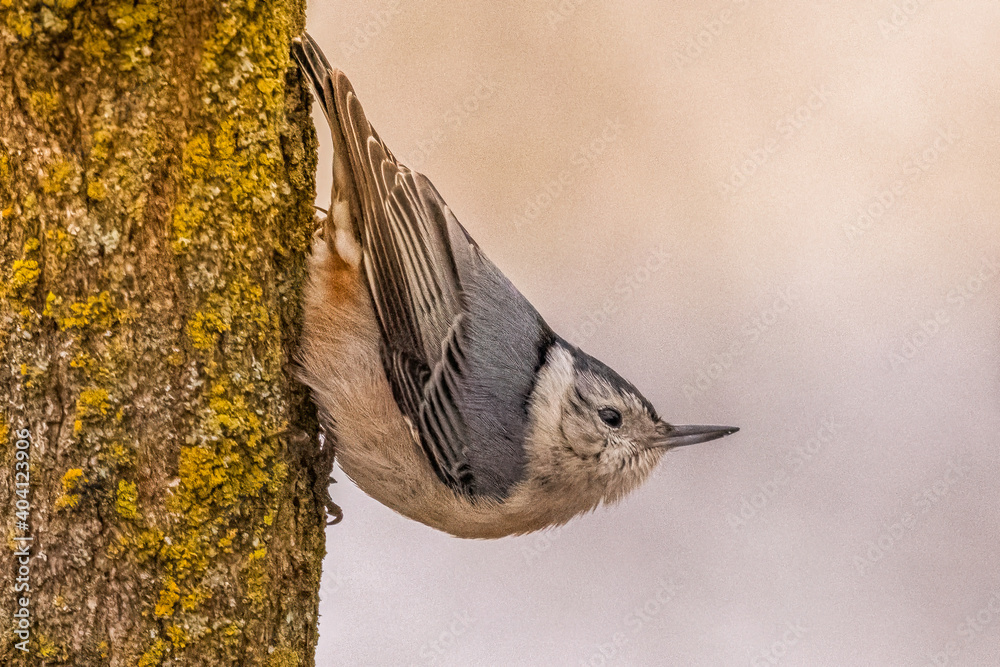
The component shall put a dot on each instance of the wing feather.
(445, 368)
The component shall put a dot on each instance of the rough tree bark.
(156, 192)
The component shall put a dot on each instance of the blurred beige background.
(780, 215)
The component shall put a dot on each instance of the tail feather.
(314, 64)
(343, 225)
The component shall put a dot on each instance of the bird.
(447, 396)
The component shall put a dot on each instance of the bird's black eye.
(610, 416)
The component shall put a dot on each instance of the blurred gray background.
(778, 215)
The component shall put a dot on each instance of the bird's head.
(595, 433)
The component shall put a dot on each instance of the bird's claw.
(336, 515)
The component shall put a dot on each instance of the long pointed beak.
(672, 435)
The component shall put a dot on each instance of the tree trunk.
(156, 192)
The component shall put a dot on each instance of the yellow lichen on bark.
(156, 192)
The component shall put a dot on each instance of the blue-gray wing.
(461, 346)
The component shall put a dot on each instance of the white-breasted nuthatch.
(448, 397)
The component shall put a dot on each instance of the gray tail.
(314, 64)
(336, 95)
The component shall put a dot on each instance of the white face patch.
(555, 379)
